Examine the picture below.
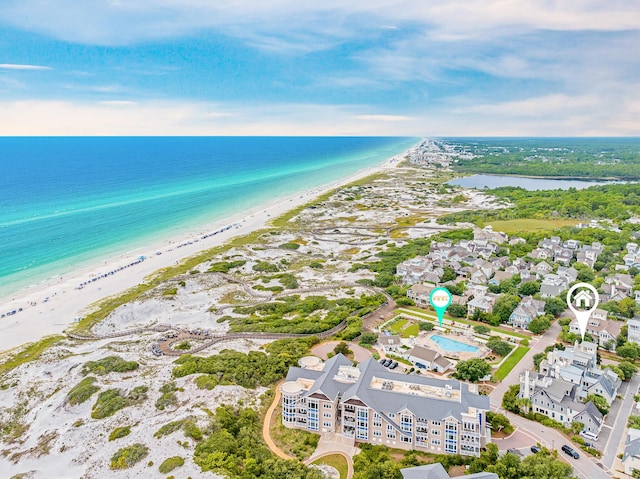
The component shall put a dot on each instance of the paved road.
(618, 415)
(584, 467)
(526, 362)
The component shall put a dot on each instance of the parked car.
(387, 362)
(589, 435)
(589, 444)
(382, 361)
(535, 449)
(393, 365)
(513, 451)
(570, 451)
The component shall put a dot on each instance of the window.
(326, 414)
(391, 432)
(435, 423)
(327, 405)
(435, 432)
(377, 433)
(405, 438)
(363, 423)
(392, 415)
(377, 420)
(406, 423)
(435, 442)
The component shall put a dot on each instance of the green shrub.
(225, 266)
(119, 432)
(206, 381)
(109, 364)
(170, 464)
(129, 456)
(170, 292)
(293, 246)
(169, 428)
(183, 346)
(82, 391)
(265, 267)
(168, 397)
(111, 401)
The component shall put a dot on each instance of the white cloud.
(552, 115)
(13, 66)
(392, 118)
(108, 22)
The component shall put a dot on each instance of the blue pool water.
(453, 346)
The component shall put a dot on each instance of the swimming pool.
(453, 346)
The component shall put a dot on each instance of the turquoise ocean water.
(65, 202)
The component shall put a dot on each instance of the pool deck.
(461, 337)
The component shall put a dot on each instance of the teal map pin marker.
(440, 299)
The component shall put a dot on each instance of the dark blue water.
(64, 201)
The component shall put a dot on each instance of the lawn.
(398, 325)
(420, 313)
(336, 460)
(530, 224)
(411, 330)
(510, 363)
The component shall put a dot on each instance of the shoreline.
(47, 309)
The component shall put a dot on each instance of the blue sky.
(285, 67)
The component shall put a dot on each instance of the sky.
(291, 67)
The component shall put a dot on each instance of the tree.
(482, 329)
(510, 399)
(505, 305)
(609, 345)
(628, 370)
(426, 326)
(368, 339)
(472, 369)
(628, 351)
(554, 306)
(537, 359)
(623, 336)
(342, 348)
(499, 422)
(498, 346)
(627, 307)
(529, 288)
(457, 289)
(539, 325)
(457, 310)
(448, 275)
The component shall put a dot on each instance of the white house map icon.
(583, 303)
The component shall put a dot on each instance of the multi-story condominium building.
(371, 404)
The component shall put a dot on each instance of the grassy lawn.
(530, 224)
(411, 330)
(336, 460)
(398, 325)
(296, 442)
(510, 363)
(411, 310)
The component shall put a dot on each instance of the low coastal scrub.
(188, 426)
(168, 396)
(292, 246)
(248, 370)
(206, 381)
(225, 266)
(111, 401)
(233, 451)
(313, 314)
(119, 432)
(82, 391)
(170, 464)
(108, 365)
(128, 456)
(265, 267)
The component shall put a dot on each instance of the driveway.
(360, 354)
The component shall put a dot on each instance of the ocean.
(68, 201)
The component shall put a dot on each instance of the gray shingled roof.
(392, 401)
(429, 471)
(631, 449)
(324, 382)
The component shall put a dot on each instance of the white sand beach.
(51, 307)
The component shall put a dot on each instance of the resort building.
(525, 312)
(389, 343)
(370, 404)
(603, 332)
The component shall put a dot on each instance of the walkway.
(266, 425)
(335, 444)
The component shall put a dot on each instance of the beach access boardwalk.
(179, 334)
